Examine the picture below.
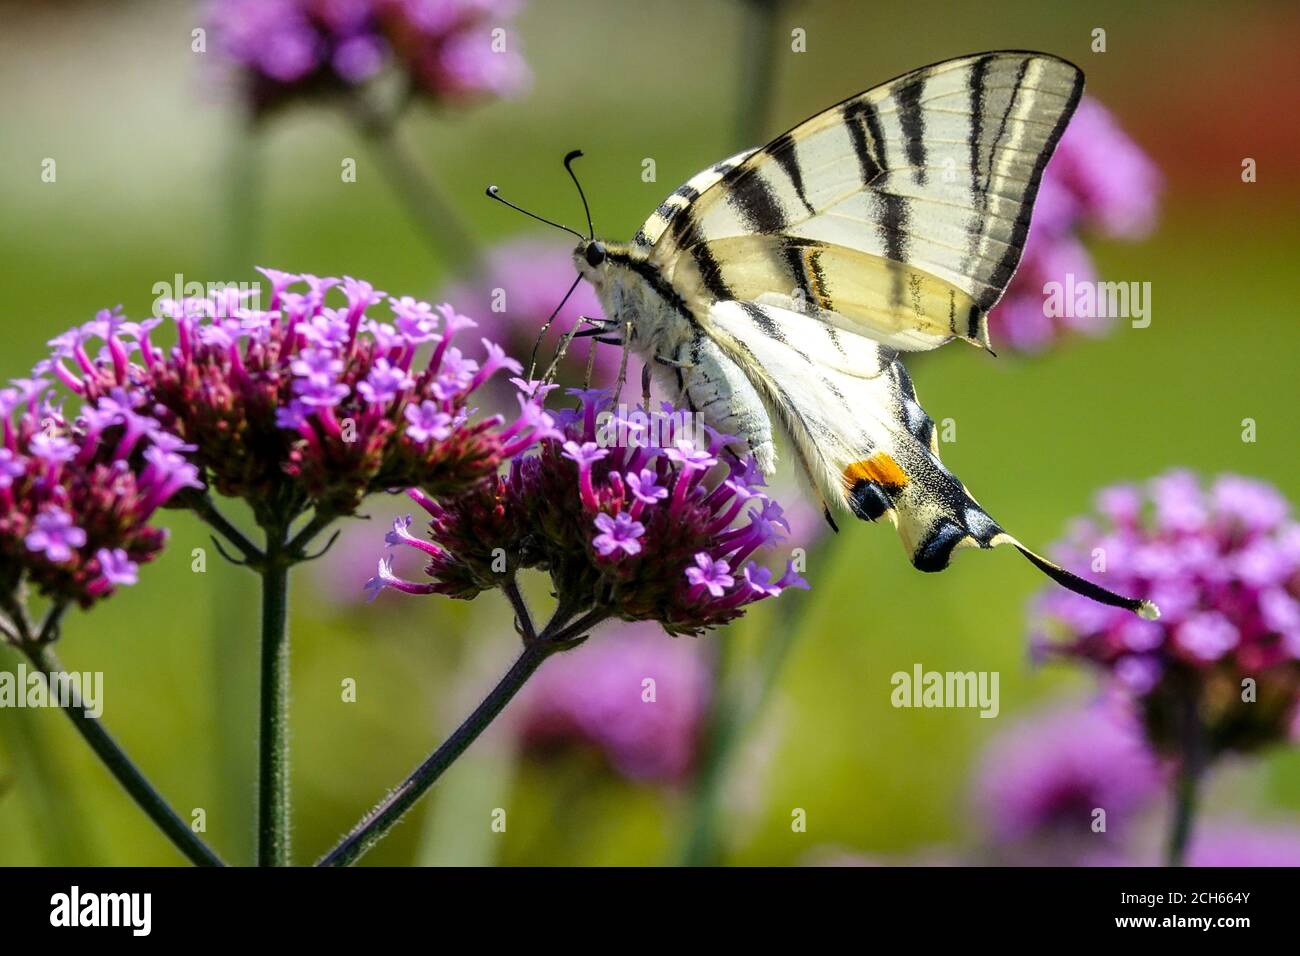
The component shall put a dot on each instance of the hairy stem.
(376, 824)
(123, 770)
(273, 738)
(201, 503)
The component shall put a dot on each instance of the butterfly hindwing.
(900, 214)
(850, 411)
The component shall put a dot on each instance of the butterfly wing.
(851, 413)
(899, 214)
(654, 228)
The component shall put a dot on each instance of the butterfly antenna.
(494, 193)
(532, 364)
(568, 164)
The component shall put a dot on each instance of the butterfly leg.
(563, 348)
(622, 364)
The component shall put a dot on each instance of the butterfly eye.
(595, 254)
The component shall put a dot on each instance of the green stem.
(1187, 782)
(233, 671)
(434, 217)
(703, 847)
(206, 510)
(240, 239)
(126, 772)
(757, 71)
(273, 738)
(731, 711)
(376, 824)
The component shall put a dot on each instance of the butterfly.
(773, 292)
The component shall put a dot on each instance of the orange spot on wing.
(880, 468)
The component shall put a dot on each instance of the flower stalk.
(438, 223)
(273, 813)
(736, 708)
(375, 825)
(1187, 782)
(40, 652)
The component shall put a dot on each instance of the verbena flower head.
(633, 697)
(445, 49)
(1040, 783)
(334, 391)
(1098, 182)
(662, 533)
(78, 490)
(1224, 566)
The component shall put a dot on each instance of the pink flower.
(447, 50)
(667, 558)
(1223, 569)
(619, 533)
(77, 492)
(302, 404)
(633, 696)
(1098, 181)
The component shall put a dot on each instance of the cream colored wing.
(900, 214)
(849, 409)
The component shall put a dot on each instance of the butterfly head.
(592, 252)
(591, 258)
(596, 261)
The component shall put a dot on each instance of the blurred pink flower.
(1097, 182)
(1223, 564)
(1244, 844)
(632, 694)
(450, 50)
(1044, 778)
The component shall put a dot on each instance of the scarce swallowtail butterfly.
(773, 292)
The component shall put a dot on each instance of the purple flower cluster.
(305, 403)
(449, 50)
(633, 697)
(1224, 567)
(644, 533)
(1039, 784)
(77, 491)
(1098, 181)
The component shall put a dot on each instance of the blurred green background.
(112, 91)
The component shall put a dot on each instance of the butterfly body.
(774, 292)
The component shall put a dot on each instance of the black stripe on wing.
(1006, 267)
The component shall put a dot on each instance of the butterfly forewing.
(682, 197)
(900, 213)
